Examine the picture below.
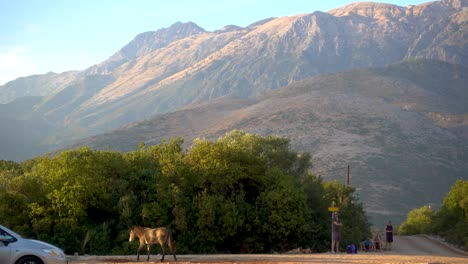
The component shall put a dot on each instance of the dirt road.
(424, 245)
(405, 249)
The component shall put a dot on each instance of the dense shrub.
(241, 193)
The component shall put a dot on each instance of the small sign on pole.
(333, 209)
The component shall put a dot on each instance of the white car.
(15, 249)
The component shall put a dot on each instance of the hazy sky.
(38, 36)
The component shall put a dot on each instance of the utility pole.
(353, 213)
(347, 176)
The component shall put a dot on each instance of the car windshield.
(6, 234)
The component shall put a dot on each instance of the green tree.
(451, 221)
(242, 193)
(351, 212)
(419, 221)
(457, 199)
(13, 205)
(283, 212)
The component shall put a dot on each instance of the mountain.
(151, 72)
(167, 69)
(248, 62)
(398, 127)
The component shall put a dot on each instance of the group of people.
(374, 243)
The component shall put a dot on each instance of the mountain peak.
(379, 11)
(185, 27)
(144, 43)
(152, 40)
(229, 28)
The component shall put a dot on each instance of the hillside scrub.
(241, 193)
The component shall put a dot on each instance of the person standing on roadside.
(388, 235)
(377, 240)
(336, 234)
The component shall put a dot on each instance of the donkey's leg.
(163, 251)
(148, 250)
(138, 252)
(171, 247)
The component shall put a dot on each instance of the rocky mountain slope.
(379, 121)
(247, 62)
(165, 70)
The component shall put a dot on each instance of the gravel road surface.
(405, 249)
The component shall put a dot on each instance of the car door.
(5, 247)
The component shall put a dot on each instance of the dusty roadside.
(406, 249)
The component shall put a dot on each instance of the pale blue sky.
(38, 36)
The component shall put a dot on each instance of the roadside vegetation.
(242, 193)
(449, 222)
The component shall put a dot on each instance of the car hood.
(38, 244)
(30, 245)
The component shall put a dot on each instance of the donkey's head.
(132, 234)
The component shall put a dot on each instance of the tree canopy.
(242, 193)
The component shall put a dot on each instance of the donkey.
(150, 236)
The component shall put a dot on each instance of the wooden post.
(347, 177)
